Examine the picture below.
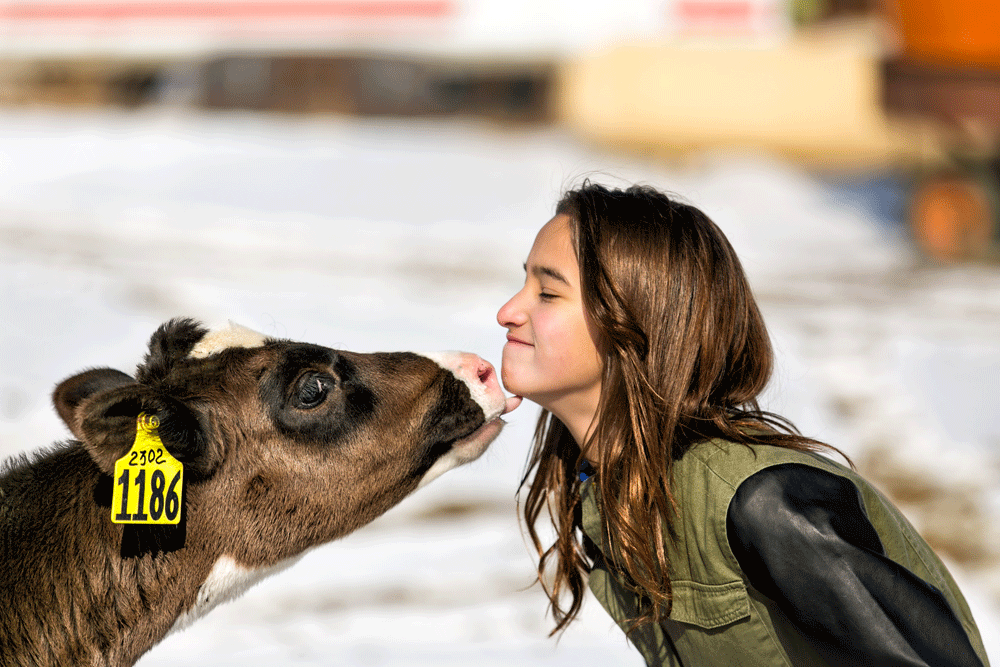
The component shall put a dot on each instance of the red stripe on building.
(118, 11)
(715, 10)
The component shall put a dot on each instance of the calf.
(284, 446)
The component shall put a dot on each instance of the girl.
(710, 530)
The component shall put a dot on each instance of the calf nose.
(476, 369)
(487, 375)
(481, 378)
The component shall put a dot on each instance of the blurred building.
(649, 75)
(835, 83)
(491, 57)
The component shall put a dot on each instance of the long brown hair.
(685, 356)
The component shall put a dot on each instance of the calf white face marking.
(481, 379)
(227, 581)
(232, 335)
(478, 375)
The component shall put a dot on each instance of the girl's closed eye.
(547, 296)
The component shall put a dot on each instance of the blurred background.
(370, 174)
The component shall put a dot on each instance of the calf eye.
(312, 390)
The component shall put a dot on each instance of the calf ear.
(70, 393)
(107, 428)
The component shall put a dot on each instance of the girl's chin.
(517, 389)
(522, 390)
(510, 378)
(520, 384)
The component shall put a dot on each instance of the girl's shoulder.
(732, 462)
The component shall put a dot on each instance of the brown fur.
(263, 483)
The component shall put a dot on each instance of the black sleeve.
(803, 539)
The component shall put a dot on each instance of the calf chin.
(463, 451)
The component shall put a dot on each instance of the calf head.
(286, 445)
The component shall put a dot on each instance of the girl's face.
(551, 356)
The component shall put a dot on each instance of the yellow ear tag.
(148, 480)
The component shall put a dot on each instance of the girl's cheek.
(546, 335)
(553, 346)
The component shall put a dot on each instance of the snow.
(378, 235)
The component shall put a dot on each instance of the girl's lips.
(518, 341)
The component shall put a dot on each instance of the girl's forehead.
(553, 243)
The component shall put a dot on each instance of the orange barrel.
(955, 32)
(952, 219)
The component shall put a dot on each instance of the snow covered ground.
(381, 235)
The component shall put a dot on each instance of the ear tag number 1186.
(148, 480)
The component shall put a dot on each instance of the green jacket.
(718, 618)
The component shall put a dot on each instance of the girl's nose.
(511, 314)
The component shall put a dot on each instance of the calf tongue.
(511, 404)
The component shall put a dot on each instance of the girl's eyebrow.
(547, 271)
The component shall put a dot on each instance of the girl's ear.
(102, 412)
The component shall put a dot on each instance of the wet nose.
(475, 370)
(485, 372)
(481, 378)
(486, 375)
